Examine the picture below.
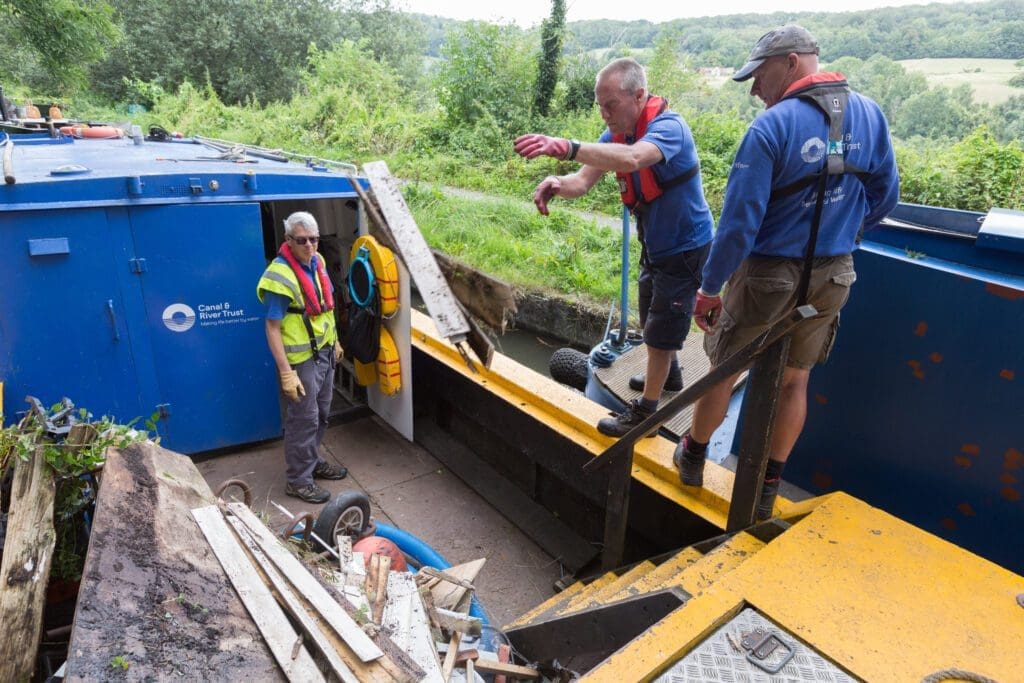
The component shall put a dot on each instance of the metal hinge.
(137, 265)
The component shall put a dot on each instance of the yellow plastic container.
(389, 371)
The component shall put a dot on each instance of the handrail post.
(616, 512)
(759, 409)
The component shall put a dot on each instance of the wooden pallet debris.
(454, 585)
(305, 584)
(284, 642)
(405, 618)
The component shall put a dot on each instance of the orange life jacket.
(650, 188)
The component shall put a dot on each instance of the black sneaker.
(311, 493)
(621, 423)
(690, 465)
(674, 381)
(768, 493)
(325, 470)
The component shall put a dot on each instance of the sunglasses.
(301, 241)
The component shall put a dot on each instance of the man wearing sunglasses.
(303, 340)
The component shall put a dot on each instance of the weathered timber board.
(153, 593)
(27, 555)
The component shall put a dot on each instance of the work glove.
(291, 385)
(547, 189)
(706, 310)
(338, 352)
(534, 145)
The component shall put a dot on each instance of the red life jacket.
(650, 188)
(313, 307)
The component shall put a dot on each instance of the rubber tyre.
(569, 367)
(348, 514)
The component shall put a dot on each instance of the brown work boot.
(325, 470)
(311, 493)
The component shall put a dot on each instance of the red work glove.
(547, 189)
(706, 310)
(533, 145)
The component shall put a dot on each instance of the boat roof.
(62, 172)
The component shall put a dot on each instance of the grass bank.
(558, 254)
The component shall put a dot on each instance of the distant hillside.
(989, 78)
(973, 30)
(980, 30)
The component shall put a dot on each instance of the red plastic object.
(378, 545)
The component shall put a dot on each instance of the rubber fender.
(385, 270)
(366, 373)
(569, 367)
(426, 557)
(389, 370)
(94, 132)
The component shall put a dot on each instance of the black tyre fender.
(348, 514)
(569, 367)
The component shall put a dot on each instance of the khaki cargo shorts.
(763, 291)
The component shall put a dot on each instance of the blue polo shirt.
(679, 220)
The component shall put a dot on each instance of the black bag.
(362, 337)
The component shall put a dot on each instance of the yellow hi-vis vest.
(279, 279)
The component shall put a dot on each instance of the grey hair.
(301, 218)
(633, 75)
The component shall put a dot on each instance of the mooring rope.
(956, 675)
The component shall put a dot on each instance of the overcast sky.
(530, 12)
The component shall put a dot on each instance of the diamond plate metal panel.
(717, 660)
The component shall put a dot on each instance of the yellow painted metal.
(877, 596)
(548, 606)
(658, 577)
(585, 598)
(626, 579)
(718, 562)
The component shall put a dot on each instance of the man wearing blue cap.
(813, 170)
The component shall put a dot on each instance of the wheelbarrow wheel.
(348, 514)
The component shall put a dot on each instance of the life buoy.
(385, 272)
(373, 277)
(389, 370)
(93, 132)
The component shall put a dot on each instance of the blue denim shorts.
(668, 288)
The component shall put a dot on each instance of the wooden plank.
(310, 624)
(447, 595)
(437, 295)
(25, 572)
(385, 669)
(457, 621)
(306, 585)
(152, 591)
(758, 419)
(284, 642)
(405, 618)
(383, 569)
(449, 657)
(511, 670)
(450, 578)
(483, 295)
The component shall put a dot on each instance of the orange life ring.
(94, 132)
